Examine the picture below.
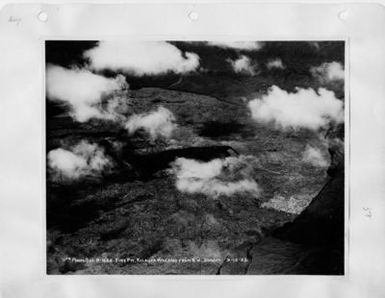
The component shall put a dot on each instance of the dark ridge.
(216, 129)
(296, 55)
(321, 224)
(299, 55)
(211, 57)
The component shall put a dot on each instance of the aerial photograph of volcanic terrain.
(195, 157)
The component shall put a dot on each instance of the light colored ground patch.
(292, 204)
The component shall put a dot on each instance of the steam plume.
(314, 157)
(276, 63)
(242, 65)
(84, 159)
(158, 123)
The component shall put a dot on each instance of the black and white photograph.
(210, 157)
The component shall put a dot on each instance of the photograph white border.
(365, 31)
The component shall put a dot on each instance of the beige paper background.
(22, 213)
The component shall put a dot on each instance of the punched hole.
(193, 16)
(343, 15)
(42, 16)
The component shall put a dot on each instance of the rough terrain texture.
(130, 218)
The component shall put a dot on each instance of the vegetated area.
(130, 212)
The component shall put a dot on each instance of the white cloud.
(82, 90)
(158, 123)
(314, 157)
(304, 108)
(242, 65)
(217, 177)
(238, 45)
(328, 72)
(141, 57)
(84, 159)
(276, 63)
